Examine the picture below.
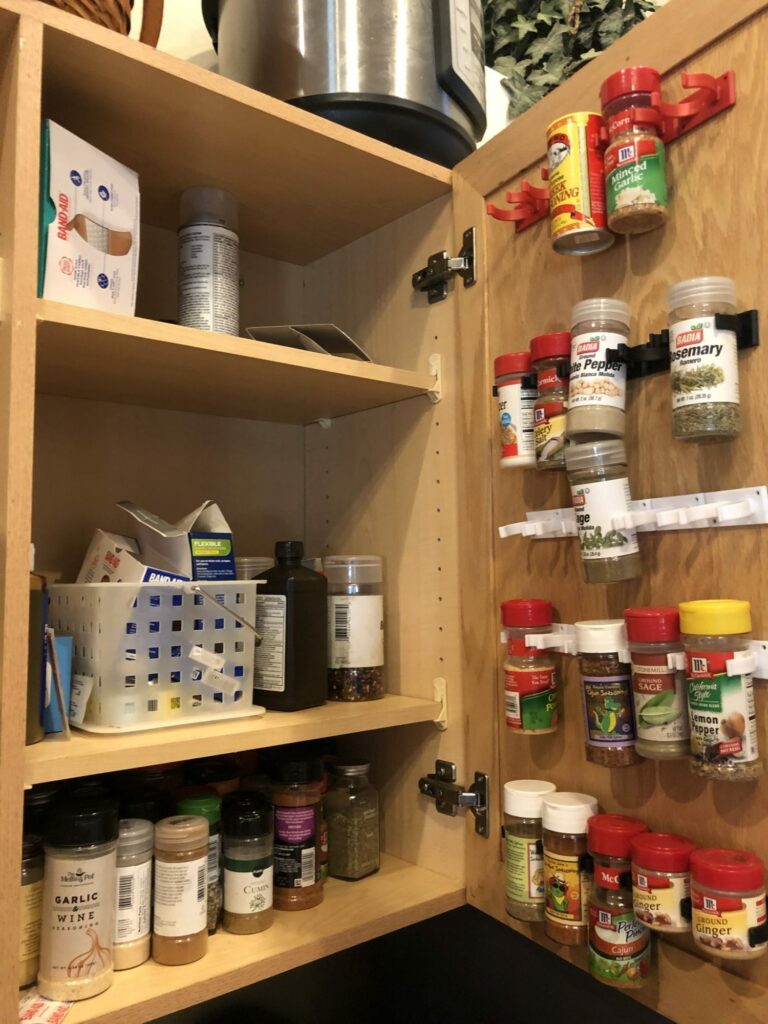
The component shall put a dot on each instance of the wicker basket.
(116, 14)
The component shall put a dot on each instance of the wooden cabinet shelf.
(352, 912)
(83, 353)
(91, 753)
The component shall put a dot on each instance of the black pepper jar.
(291, 663)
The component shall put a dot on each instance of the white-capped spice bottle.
(567, 866)
(133, 893)
(526, 891)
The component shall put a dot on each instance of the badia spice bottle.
(133, 893)
(248, 867)
(598, 385)
(550, 358)
(355, 627)
(704, 361)
(516, 396)
(531, 697)
(721, 703)
(661, 881)
(524, 848)
(31, 908)
(567, 866)
(635, 180)
(297, 795)
(728, 904)
(606, 690)
(180, 934)
(658, 688)
(208, 806)
(619, 944)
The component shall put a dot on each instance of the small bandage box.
(89, 225)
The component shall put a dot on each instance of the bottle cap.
(211, 771)
(352, 569)
(715, 618)
(727, 870)
(662, 851)
(246, 814)
(595, 455)
(293, 549)
(31, 846)
(532, 612)
(351, 769)
(136, 836)
(147, 802)
(523, 798)
(568, 812)
(610, 834)
(701, 289)
(512, 362)
(250, 566)
(600, 309)
(204, 205)
(551, 346)
(82, 822)
(628, 81)
(181, 832)
(600, 636)
(206, 805)
(298, 771)
(653, 625)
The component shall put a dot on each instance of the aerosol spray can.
(209, 261)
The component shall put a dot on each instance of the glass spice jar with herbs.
(567, 866)
(352, 810)
(526, 891)
(531, 696)
(355, 627)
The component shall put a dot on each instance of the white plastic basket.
(159, 654)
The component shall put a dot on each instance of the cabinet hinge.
(449, 796)
(433, 279)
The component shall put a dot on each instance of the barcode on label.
(213, 858)
(341, 623)
(308, 867)
(152, 705)
(125, 893)
(512, 703)
(201, 884)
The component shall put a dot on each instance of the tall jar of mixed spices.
(355, 627)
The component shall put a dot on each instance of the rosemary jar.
(526, 893)
(606, 690)
(721, 701)
(550, 358)
(352, 810)
(704, 360)
(597, 473)
(661, 881)
(516, 392)
(355, 627)
(567, 866)
(598, 385)
(728, 904)
(531, 698)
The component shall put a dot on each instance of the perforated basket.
(159, 654)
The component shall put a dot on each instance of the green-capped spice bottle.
(208, 806)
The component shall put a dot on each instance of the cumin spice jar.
(606, 689)
(661, 881)
(531, 697)
(567, 866)
(526, 892)
(180, 934)
(728, 904)
(297, 795)
(248, 868)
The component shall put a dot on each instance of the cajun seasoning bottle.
(516, 397)
(567, 866)
(531, 695)
(181, 889)
(728, 904)
(661, 881)
(526, 892)
(606, 689)
(550, 358)
(297, 795)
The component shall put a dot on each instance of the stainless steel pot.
(408, 72)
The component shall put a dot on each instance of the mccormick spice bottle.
(531, 697)
(661, 881)
(297, 795)
(550, 358)
(516, 396)
(619, 944)
(606, 682)
(567, 866)
(728, 897)
(524, 849)
(576, 188)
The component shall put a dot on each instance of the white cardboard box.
(115, 559)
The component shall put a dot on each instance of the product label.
(549, 419)
(296, 862)
(181, 897)
(516, 420)
(596, 379)
(704, 363)
(608, 719)
(730, 924)
(214, 858)
(209, 278)
(721, 708)
(248, 885)
(661, 901)
(596, 504)
(634, 174)
(31, 917)
(79, 907)
(525, 869)
(658, 692)
(616, 932)
(355, 631)
(133, 902)
(576, 186)
(568, 882)
(269, 656)
(530, 698)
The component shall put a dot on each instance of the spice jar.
(606, 689)
(721, 703)
(550, 358)
(567, 866)
(78, 900)
(728, 903)
(296, 795)
(531, 698)
(208, 806)
(248, 868)
(133, 904)
(352, 810)
(619, 944)
(598, 386)
(597, 473)
(220, 774)
(658, 689)
(704, 361)
(180, 934)
(38, 803)
(516, 394)
(31, 908)
(635, 180)
(524, 848)
(661, 881)
(577, 217)
(355, 627)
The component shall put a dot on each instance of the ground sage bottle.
(524, 849)
(597, 473)
(31, 909)
(567, 866)
(246, 820)
(208, 806)
(728, 904)
(658, 688)
(531, 697)
(721, 702)
(516, 396)
(352, 811)
(661, 881)
(133, 903)
(297, 794)
(78, 900)
(355, 627)
(704, 360)
(598, 384)
(550, 358)
(180, 931)
(606, 691)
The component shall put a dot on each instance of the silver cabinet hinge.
(441, 268)
(449, 796)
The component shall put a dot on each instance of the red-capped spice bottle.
(619, 944)
(531, 698)
(550, 359)
(658, 687)
(661, 881)
(635, 181)
(728, 903)
(516, 392)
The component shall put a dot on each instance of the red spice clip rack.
(530, 205)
